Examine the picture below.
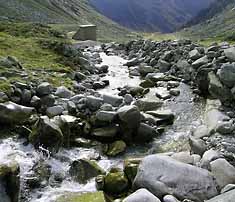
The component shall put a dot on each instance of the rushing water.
(187, 114)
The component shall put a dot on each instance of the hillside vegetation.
(64, 14)
(26, 42)
(216, 23)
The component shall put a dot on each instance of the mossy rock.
(83, 170)
(147, 84)
(131, 167)
(10, 181)
(115, 182)
(116, 148)
(83, 197)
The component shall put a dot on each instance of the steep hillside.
(217, 21)
(66, 13)
(151, 15)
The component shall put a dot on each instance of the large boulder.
(223, 171)
(162, 175)
(63, 92)
(199, 62)
(217, 89)
(225, 197)
(194, 54)
(227, 75)
(230, 54)
(9, 182)
(129, 116)
(83, 170)
(141, 195)
(44, 89)
(12, 113)
(46, 134)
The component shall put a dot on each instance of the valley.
(145, 113)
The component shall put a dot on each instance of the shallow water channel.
(187, 114)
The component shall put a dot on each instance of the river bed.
(188, 114)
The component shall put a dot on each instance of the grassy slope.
(22, 42)
(64, 16)
(220, 27)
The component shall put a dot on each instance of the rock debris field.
(143, 121)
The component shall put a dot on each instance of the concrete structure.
(86, 32)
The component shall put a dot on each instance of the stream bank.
(129, 102)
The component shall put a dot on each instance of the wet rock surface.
(127, 102)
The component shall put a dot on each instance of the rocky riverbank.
(143, 121)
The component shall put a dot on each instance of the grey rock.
(3, 97)
(201, 61)
(185, 68)
(106, 116)
(145, 133)
(128, 99)
(201, 131)
(209, 156)
(227, 75)
(227, 188)
(133, 62)
(141, 195)
(9, 182)
(163, 66)
(35, 101)
(144, 70)
(129, 116)
(213, 119)
(63, 92)
(163, 115)
(163, 175)
(48, 100)
(146, 104)
(114, 100)
(54, 111)
(83, 170)
(44, 89)
(183, 157)
(230, 54)
(223, 171)
(46, 134)
(105, 133)
(94, 103)
(10, 62)
(26, 96)
(12, 113)
(198, 146)
(225, 197)
(170, 198)
(194, 54)
(162, 93)
(174, 92)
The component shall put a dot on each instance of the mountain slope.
(65, 12)
(217, 21)
(151, 15)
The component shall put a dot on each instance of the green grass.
(21, 41)
(87, 197)
(159, 36)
